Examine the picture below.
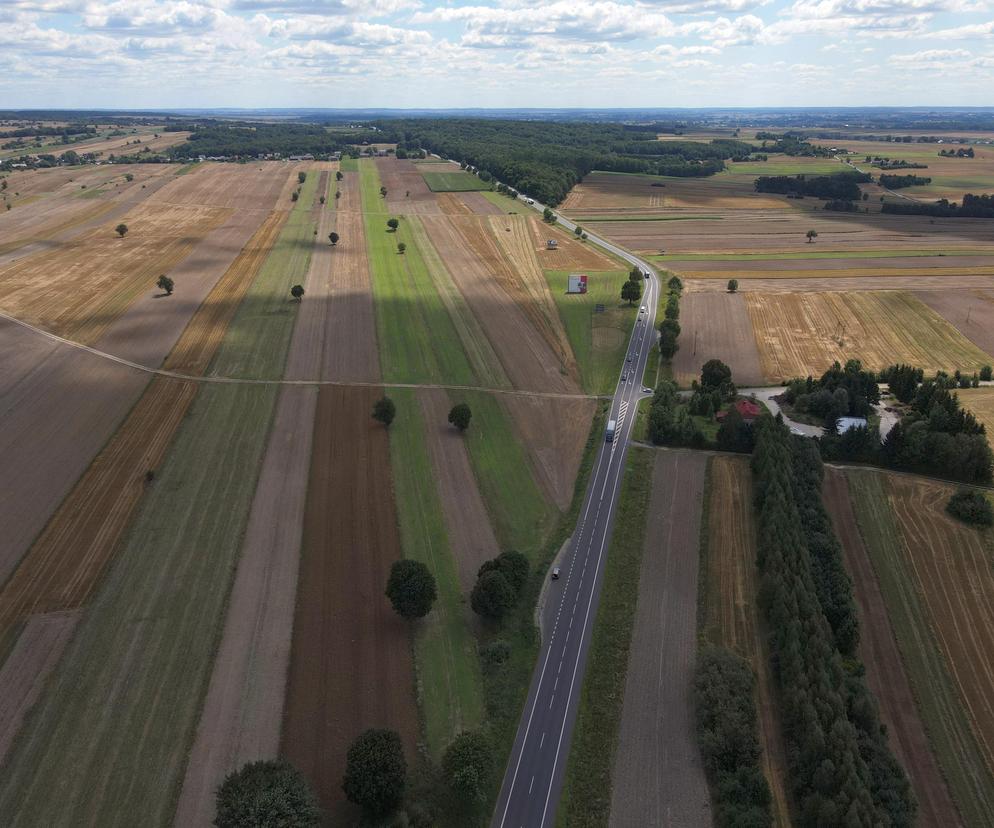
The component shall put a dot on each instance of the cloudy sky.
(495, 53)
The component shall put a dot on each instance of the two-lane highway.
(534, 777)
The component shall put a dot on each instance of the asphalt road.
(533, 780)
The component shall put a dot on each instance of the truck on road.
(611, 426)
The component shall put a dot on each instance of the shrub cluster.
(896, 182)
(725, 715)
(498, 584)
(971, 507)
(840, 767)
(847, 391)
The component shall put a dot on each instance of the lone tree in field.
(322, 199)
(121, 229)
(333, 238)
(393, 224)
(512, 565)
(301, 177)
(812, 235)
(468, 765)
(460, 415)
(165, 284)
(375, 772)
(266, 793)
(297, 292)
(578, 231)
(411, 589)
(492, 596)
(383, 192)
(338, 194)
(631, 291)
(384, 411)
(733, 285)
(338, 175)
(401, 247)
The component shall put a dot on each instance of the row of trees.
(840, 767)
(669, 327)
(840, 186)
(973, 206)
(897, 182)
(727, 732)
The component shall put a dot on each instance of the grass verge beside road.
(586, 799)
(599, 340)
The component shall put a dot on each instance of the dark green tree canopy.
(492, 596)
(266, 794)
(460, 415)
(376, 772)
(512, 565)
(411, 589)
(631, 291)
(468, 765)
(384, 410)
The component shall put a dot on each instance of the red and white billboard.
(577, 283)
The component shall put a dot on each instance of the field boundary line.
(162, 372)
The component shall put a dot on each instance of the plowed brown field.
(471, 537)
(885, 671)
(731, 616)
(802, 334)
(569, 253)
(971, 312)
(953, 567)
(716, 326)
(350, 666)
(407, 191)
(658, 778)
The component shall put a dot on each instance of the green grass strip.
(453, 182)
(112, 730)
(449, 681)
(521, 515)
(599, 363)
(586, 797)
(484, 360)
(939, 703)
(418, 340)
(508, 205)
(348, 164)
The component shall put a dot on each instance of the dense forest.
(973, 206)
(842, 186)
(253, 140)
(840, 767)
(545, 160)
(68, 129)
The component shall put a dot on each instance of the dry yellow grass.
(980, 401)
(730, 614)
(801, 334)
(809, 272)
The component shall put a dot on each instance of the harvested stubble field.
(716, 326)
(980, 401)
(936, 579)
(886, 673)
(730, 615)
(657, 777)
(78, 289)
(971, 312)
(407, 191)
(801, 334)
(128, 691)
